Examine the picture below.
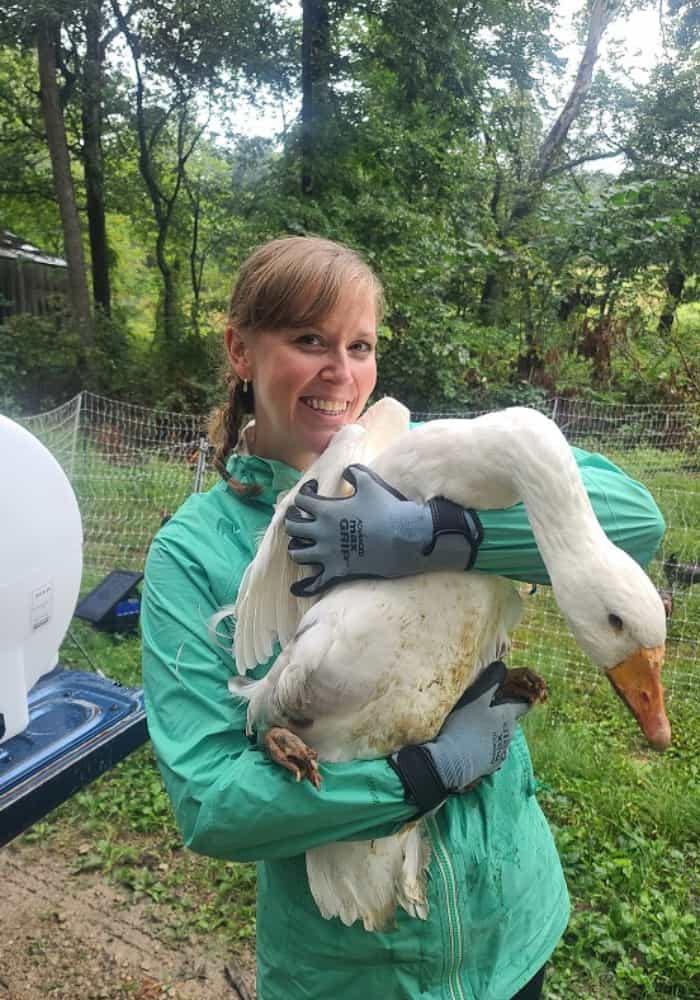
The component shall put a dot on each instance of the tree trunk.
(196, 258)
(315, 40)
(675, 283)
(170, 315)
(602, 12)
(491, 297)
(47, 40)
(491, 290)
(162, 204)
(92, 157)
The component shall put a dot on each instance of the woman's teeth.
(326, 405)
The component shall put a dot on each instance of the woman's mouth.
(331, 407)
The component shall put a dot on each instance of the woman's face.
(309, 382)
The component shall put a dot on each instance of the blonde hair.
(293, 281)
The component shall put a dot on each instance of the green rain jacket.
(498, 900)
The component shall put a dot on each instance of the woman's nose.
(336, 368)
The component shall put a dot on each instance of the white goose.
(374, 665)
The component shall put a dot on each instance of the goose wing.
(364, 676)
(266, 611)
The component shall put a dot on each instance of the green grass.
(627, 825)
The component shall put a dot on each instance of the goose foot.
(522, 684)
(285, 748)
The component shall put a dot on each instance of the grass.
(627, 825)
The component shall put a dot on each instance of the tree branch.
(602, 12)
(686, 364)
(589, 158)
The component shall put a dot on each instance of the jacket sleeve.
(625, 509)
(230, 800)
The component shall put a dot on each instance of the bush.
(43, 361)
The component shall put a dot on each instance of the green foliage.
(39, 352)
(43, 360)
(427, 129)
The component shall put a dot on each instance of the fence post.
(201, 465)
(554, 409)
(76, 429)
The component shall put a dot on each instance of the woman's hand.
(473, 742)
(376, 532)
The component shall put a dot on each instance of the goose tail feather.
(368, 880)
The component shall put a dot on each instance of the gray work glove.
(376, 532)
(472, 743)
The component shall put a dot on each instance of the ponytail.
(225, 424)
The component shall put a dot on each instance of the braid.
(225, 426)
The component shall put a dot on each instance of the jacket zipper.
(447, 875)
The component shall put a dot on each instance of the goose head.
(618, 619)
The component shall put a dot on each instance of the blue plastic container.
(80, 724)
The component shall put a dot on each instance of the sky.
(639, 36)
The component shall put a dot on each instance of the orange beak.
(637, 680)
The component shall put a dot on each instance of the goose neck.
(547, 480)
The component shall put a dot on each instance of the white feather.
(267, 613)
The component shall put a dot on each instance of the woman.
(301, 343)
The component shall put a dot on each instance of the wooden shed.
(31, 281)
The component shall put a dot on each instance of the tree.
(184, 59)
(664, 143)
(88, 59)
(546, 160)
(26, 183)
(47, 40)
(315, 52)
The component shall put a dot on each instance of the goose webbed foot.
(288, 750)
(522, 684)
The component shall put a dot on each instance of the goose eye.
(616, 622)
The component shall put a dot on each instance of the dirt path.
(71, 936)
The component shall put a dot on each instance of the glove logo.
(352, 540)
(499, 749)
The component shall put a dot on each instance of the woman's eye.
(308, 340)
(363, 347)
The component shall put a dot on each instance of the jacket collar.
(271, 476)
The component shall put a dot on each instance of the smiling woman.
(301, 337)
(309, 381)
(301, 344)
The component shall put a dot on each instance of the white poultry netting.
(130, 466)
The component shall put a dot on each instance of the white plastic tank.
(40, 567)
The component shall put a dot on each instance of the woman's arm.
(401, 537)
(230, 800)
(625, 509)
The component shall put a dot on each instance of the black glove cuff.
(451, 519)
(424, 787)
